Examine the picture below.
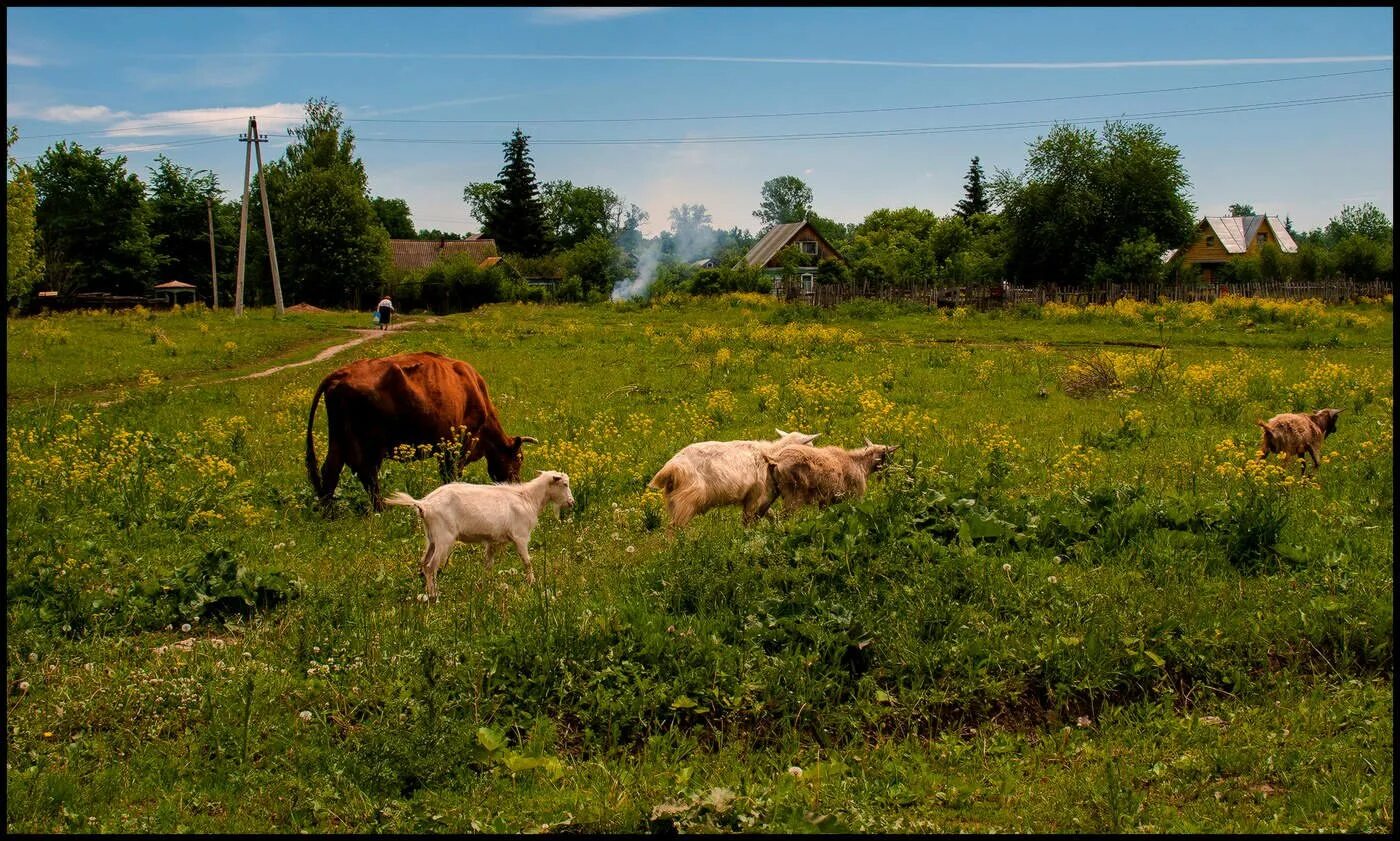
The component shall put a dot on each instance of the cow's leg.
(330, 472)
(522, 545)
(368, 475)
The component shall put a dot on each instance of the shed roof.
(1237, 232)
(175, 284)
(418, 253)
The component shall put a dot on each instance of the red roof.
(419, 254)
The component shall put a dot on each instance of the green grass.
(1022, 627)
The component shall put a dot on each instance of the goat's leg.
(437, 558)
(1312, 451)
(522, 546)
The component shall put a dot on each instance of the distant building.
(410, 254)
(808, 239)
(707, 263)
(1220, 239)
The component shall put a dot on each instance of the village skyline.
(880, 108)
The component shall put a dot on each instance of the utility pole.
(252, 138)
(243, 225)
(213, 264)
(267, 216)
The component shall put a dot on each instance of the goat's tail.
(401, 498)
(1262, 425)
(313, 472)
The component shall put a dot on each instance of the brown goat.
(1296, 434)
(823, 475)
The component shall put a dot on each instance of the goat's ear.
(869, 443)
(557, 478)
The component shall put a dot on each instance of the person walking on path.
(386, 306)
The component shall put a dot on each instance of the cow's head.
(504, 462)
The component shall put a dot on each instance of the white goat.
(489, 514)
(709, 474)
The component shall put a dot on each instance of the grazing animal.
(823, 475)
(1296, 434)
(709, 474)
(375, 405)
(489, 514)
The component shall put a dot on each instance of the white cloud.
(18, 60)
(808, 171)
(66, 113)
(583, 14)
(274, 118)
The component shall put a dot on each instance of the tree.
(179, 204)
(1364, 220)
(597, 262)
(92, 218)
(975, 198)
(516, 217)
(331, 247)
(784, 199)
(835, 233)
(480, 197)
(691, 232)
(23, 265)
(394, 215)
(1081, 197)
(1241, 210)
(435, 235)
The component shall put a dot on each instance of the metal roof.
(1237, 232)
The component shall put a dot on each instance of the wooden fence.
(985, 297)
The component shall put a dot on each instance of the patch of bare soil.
(303, 308)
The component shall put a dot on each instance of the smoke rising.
(689, 243)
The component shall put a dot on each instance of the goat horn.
(869, 443)
(526, 439)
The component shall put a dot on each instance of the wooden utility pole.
(267, 216)
(243, 226)
(253, 139)
(213, 264)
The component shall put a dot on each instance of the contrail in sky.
(936, 65)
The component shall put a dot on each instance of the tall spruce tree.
(517, 215)
(976, 199)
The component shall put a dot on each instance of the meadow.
(1074, 602)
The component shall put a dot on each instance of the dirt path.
(366, 335)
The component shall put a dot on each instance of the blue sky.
(1313, 136)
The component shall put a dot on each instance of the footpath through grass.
(1076, 602)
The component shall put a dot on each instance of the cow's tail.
(401, 498)
(313, 472)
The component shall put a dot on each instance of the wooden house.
(1219, 239)
(812, 244)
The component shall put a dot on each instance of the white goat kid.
(489, 514)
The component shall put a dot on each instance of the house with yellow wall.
(1220, 239)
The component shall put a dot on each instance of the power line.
(119, 132)
(867, 110)
(905, 131)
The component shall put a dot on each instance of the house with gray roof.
(1220, 239)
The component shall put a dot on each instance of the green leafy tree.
(516, 216)
(434, 235)
(784, 199)
(1361, 258)
(975, 192)
(23, 265)
(179, 201)
(1082, 196)
(394, 215)
(331, 248)
(1364, 220)
(92, 218)
(1241, 210)
(573, 214)
(480, 197)
(837, 234)
(597, 262)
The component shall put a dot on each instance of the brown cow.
(374, 405)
